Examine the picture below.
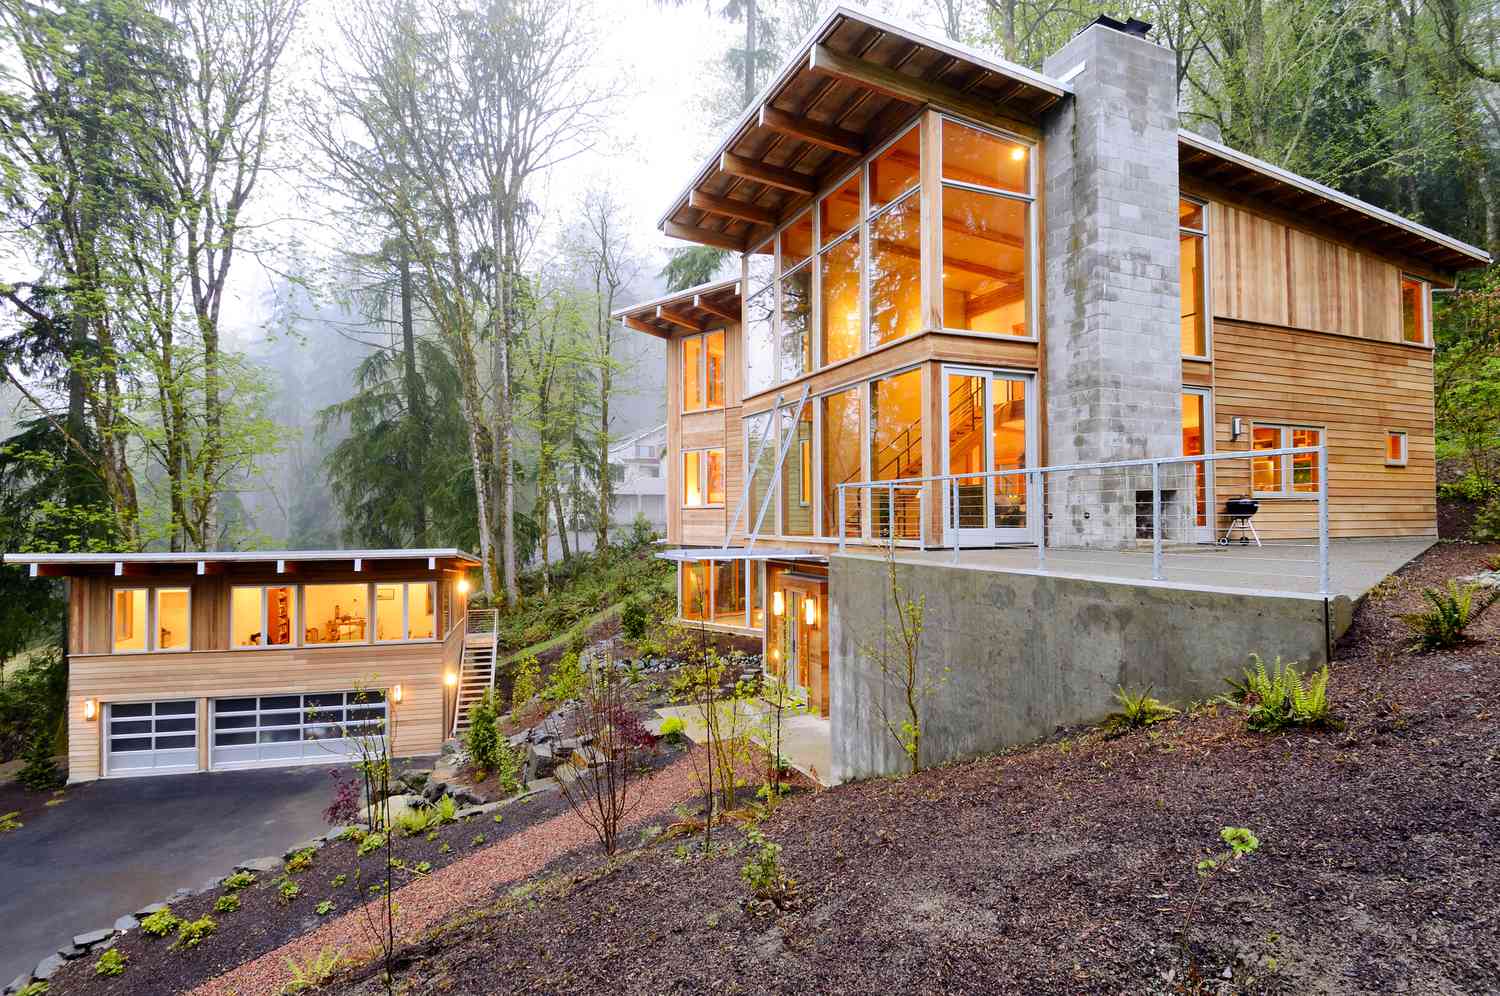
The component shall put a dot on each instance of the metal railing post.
(1040, 508)
(1323, 519)
(841, 518)
(954, 500)
(1156, 522)
(890, 513)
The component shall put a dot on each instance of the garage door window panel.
(293, 729)
(152, 737)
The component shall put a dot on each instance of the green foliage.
(33, 698)
(1137, 710)
(567, 680)
(444, 847)
(37, 988)
(488, 750)
(1486, 525)
(692, 265)
(583, 586)
(370, 842)
(191, 933)
(338, 880)
(1242, 842)
(635, 617)
(1278, 697)
(673, 729)
(288, 890)
(478, 839)
(111, 962)
(422, 819)
(422, 867)
(239, 880)
(763, 874)
(526, 681)
(315, 972)
(10, 821)
(227, 903)
(324, 908)
(1446, 622)
(161, 923)
(300, 860)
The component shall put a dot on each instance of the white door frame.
(1205, 532)
(989, 534)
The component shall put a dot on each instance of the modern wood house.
(954, 265)
(184, 662)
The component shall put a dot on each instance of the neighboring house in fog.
(640, 485)
(961, 278)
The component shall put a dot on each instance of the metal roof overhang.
(55, 564)
(686, 312)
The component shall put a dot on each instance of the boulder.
(316, 844)
(268, 864)
(70, 951)
(464, 797)
(517, 739)
(396, 807)
(46, 968)
(92, 937)
(586, 757)
(179, 896)
(541, 762)
(126, 922)
(415, 780)
(146, 911)
(433, 791)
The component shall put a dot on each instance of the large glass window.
(261, 616)
(729, 592)
(695, 590)
(797, 473)
(703, 478)
(841, 460)
(1414, 297)
(839, 212)
(760, 436)
(405, 611)
(1192, 241)
(796, 242)
(896, 451)
(896, 271)
(796, 323)
(1195, 440)
(336, 613)
(839, 317)
(986, 232)
(760, 320)
(1294, 475)
(129, 623)
(173, 619)
(896, 170)
(703, 371)
(725, 592)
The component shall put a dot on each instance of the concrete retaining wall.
(1027, 653)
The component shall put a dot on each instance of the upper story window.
(703, 371)
(850, 274)
(1416, 311)
(405, 611)
(702, 478)
(1192, 219)
(986, 232)
(267, 615)
(150, 619)
(262, 616)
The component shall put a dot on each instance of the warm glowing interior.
(713, 368)
(692, 373)
(389, 624)
(896, 272)
(172, 618)
(729, 592)
(839, 211)
(1194, 444)
(694, 590)
(896, 450)
(1413, 310)
(839, 309)
(796, 474)
(703, 477)
(1395, 447)
(841, 459)
(796, 323)
(896, 170)
(977, 157)
(796, 241)
(984, 262)
(1194, 314)
(336, 613)
(129, 619)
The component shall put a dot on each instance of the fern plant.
(1280, 696)
(1445, 623)
(1137, 710)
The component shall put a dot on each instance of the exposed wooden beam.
(771, 176)
(49, 571)
(704, 236)
(704, 304)
(640, 326)
(873, 76)
(850, 143)
(679, 319)
(207, 567)
(730, 208)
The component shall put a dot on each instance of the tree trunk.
(562, 521)
(416, 415)
(502, 317)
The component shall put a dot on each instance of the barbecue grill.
(1240, 512)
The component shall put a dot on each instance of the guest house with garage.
(181, 662)
(1047, 350)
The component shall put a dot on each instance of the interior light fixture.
(90, 710)
(1018, 153)
(778, 603)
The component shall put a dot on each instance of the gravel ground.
(439, 896)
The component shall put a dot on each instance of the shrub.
(227, 903)
(288, 890)
(763, 873)
(1486, 525)
(566, 680)
(673, 729)
(370, 842)
(192, 933)
(37, 988)
(315, 972)
(1279, 697)
(300, 860)
(1137, 710)
(345, 805)
(1444, 624)
(10, 821)
(111, 962)
(339, 880)
(324, 908)
(478, 840)
(40, 774)
(239, 880)
(526, 681)
(488, 750)
(635, 617)
(161, 923)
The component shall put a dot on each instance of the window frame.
(155, 633)
(1288, 485)
(406, 590)
(703, 480)
(702, 378)
(754, 583)
(263, 587)
(1204, 283)
(1424, 287)
(1032, 225)
(1405, 456)
(146, 641)
(299, 639)
(151, 644)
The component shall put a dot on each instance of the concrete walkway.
(806, 741)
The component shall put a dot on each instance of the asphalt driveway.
(118, 844)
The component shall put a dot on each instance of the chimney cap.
(1132, 26)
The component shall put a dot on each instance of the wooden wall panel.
(1248, 264)
(1355, 390)
(1324, 284)
(1379, 299)
(138, 677)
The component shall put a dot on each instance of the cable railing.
(1187, 518)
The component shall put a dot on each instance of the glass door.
(988, 424)
(1197, 440)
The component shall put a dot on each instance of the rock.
(316, 844)
(434, 791)
(92, 937)
(466, 798)
(179, 896)
(517, 739)
(70, 952)
(126, 922)
(541, 762)
(267, 864)
(146, 911)
(586, 757)
(415, 780)
(396, 807)
(46, 968)
(211, 885)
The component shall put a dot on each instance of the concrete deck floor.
(806, 741)
(1354, 565)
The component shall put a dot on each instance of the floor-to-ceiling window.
(986, 231)
(841, 463)
(896, 453)
(797, 472)
(1193, 242)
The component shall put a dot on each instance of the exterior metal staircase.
(476, 672)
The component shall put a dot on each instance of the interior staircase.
(476, 671)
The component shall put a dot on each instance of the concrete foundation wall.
(1027, 653)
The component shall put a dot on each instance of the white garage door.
(151, 738)
(267, 730)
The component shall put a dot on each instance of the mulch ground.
(1070, 866)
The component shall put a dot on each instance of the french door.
(1198, 440)
(989, 424)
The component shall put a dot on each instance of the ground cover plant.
(1444, 622)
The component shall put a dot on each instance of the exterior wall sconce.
(397, 693)
(778, 603)
(450, 679)
(810, 612)
(1236, 428)
(90, 710)
(463, 586)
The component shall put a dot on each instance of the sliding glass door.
(988, 425)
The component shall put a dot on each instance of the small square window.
(1395, 448)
